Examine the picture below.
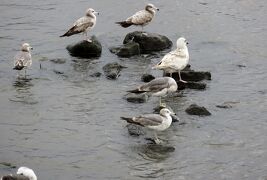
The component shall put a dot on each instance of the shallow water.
(67, 126)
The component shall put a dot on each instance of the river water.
(66, 125)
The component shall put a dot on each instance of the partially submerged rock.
(112, 70)
(147, 77)
(126, 50)
(86, 49)
(191, 75)
(148, 42)
(136, 98)
(58, 60)
(135, 130)
(194, 109)
(191, 85)
(96, 74)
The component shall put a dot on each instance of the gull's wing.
(155, 85)
(149, 120)
(22, 59)
(80, 26)
(139, 18)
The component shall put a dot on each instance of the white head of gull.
(140, 18)
(23, 173)
(157, 122)
(83, 24)
(175, 60)
(158, 87)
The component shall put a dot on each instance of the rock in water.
(191, 75)
(126, 50)
(86, 49)
(194, 109)
(136, 98)
(191, 85)
(147, 77)
(112, 70)
(148, 42)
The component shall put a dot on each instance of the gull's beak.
(31, 48)
(96, 13)
(157, 9)
(187, 43)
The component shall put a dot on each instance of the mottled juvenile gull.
(83, 25)
(23, 59)
(140, 18)
(158, 122)
(175, 60)
(158, 87)
(23, 173)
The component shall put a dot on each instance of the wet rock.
(7, 164)
(192, 75)
(58, 61)
(148, 42)
(126, 50)
(97, 74)
(194, 109)
(135, 130)
(191, 85)
(112, 70)
(136, 98)
(160, 148)
(58, 72)
(147, 77)
(227, 105)
(86, 49)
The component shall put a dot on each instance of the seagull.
(140, 18)
(158, 87)
(83, 24)
(157, 122)
(23, 59)
(175, 60)
(23, 173)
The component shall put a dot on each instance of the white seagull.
(175, 60)
(84, 24)
(23, 173)
(23, 59)
(141, 18)
(158, 122)
(158, 87)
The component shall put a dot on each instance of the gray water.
(67, 126)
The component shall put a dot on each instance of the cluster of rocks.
(136, 43)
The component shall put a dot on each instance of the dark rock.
(97, 74)
(226, 105)
(86, 49)
(58, 72)
(192, 75)
(147, 77)
(136, 98)
(58, 61)
(135, 130)
(148, 42)
(126, 50)
(194, 109)
(191, 85)
(8, 164)
(112, 70)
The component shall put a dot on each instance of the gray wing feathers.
(149, 120)
(155, 85)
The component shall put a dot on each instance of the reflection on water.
(23, 91)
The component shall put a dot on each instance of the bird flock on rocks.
(174, 61)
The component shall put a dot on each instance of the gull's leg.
(161, 104)
(87, 39)
(143, 33)
(25, 73)
(180, 79)
(157, 140)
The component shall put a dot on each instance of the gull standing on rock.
(158, 122)
(23, 59)
(141, 18)
(23, 173)
(158, 87)
(175, 60)
(83, 25)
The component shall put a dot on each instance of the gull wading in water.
(23, 59)
(141, 18)
(83, 25)
(175, 60)
(23, 173)
(157, 122)
(158, 87)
